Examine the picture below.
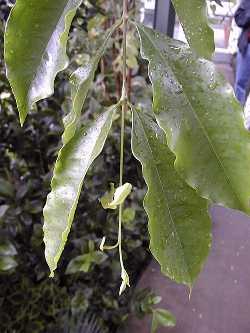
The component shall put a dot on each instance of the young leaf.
(193, 18)
(125, 281)
(179, 224)
(81, 81)
(108, 197)
(35, 48)
(114, 198)
(162, 317)
(202, 119)
(72, 164)
(121, 193)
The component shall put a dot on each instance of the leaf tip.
(22, 120)
(102, 244)
(190, 289)
(52, 274)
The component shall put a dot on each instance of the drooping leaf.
(202, 119)
(72, 164)
(35, 48)
(193, 18)
(179, 224)
(162, 317)
(81, 81)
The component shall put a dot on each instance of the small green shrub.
(29, 301)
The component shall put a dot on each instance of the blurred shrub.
(29, 300)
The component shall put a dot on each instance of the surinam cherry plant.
(193, 147)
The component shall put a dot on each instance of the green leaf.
(81, 81)
(79, 264)
(3, 210)
(98, 257)
(163, 318)
(128, 215)
(108, 197)
(114, 198)
(83, 262)
(96, 21)
(35, 48)
(7, 249)
(125, 281)
(72, 164)
(121, 193)
(193, 18)
(7, 263)
(202, 119)
(179, 224)
(6, 188)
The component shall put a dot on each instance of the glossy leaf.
(162, 317)
(81, 81)
(179, 224)
(35, 48)
(72, 164)
(193, 18)
(202, 119)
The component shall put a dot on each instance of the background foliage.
(29, 301)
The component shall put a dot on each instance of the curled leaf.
(125, 281)
(102, 244)
(112, 199)
(121, 193)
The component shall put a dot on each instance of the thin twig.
(124, 110)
